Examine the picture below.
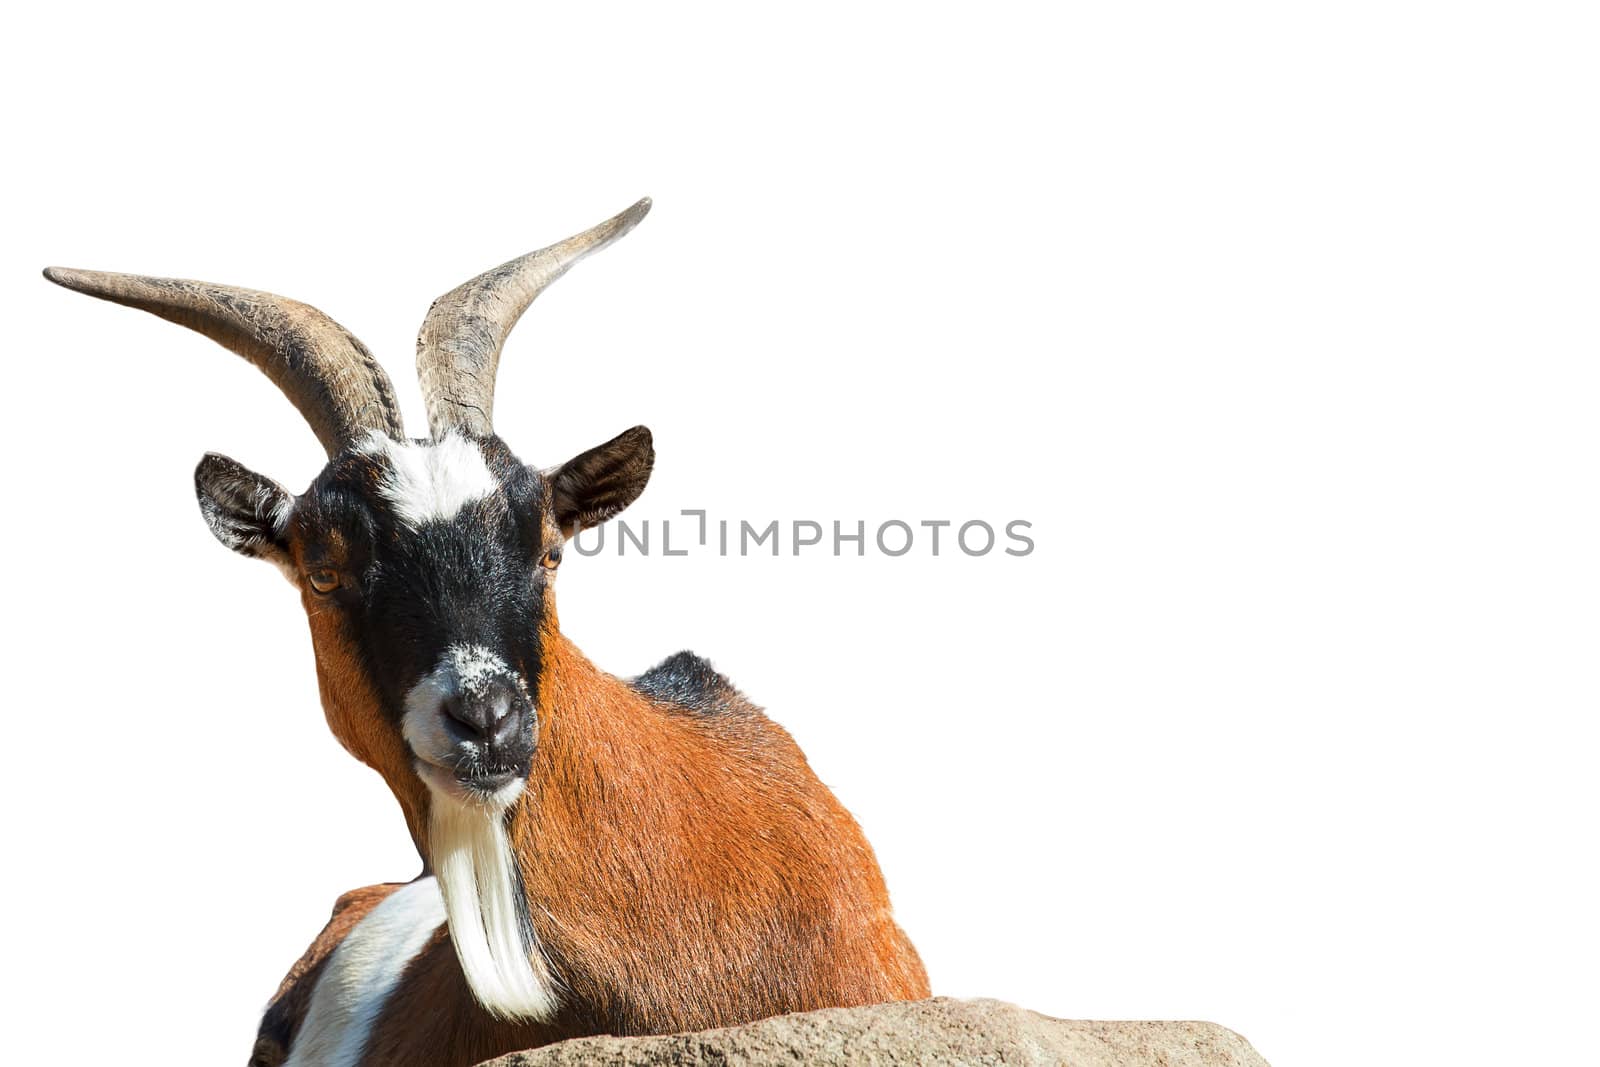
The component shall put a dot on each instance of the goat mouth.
(488, 781)
(491, 787)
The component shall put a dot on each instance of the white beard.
(480, 881)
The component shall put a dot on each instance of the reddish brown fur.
(690, 870)
(683, 870)
(353, 713)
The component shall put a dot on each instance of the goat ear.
(591, 488)
(247, 512)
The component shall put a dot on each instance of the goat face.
(425, 565)
(426, 569)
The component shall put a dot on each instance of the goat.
(600, 855)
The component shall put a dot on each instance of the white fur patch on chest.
(428, 481)
(362, 973)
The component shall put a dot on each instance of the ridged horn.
(458, 347)
(324, 371)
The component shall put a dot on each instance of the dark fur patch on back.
(685, 680)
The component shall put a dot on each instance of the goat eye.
(323, 581)
(552, 557)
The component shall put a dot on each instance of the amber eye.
(323, 581)
(552, 557)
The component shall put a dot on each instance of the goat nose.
(488, 715)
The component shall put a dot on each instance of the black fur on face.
(471, 579)
(433, 561)
(439, 583)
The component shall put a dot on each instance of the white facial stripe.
(362, 973)
(480, 880)
(430, 480)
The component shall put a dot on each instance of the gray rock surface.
(937, 1031)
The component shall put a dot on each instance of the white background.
(1277, 321)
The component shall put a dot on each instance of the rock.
(937, 1031)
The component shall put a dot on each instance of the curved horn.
(324, 371)
(458, 348)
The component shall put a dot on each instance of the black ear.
(246, 512)
(589, 489)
